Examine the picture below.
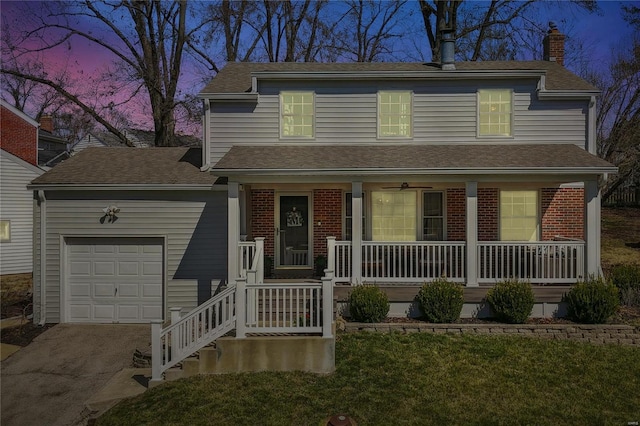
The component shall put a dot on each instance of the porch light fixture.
(110, 213)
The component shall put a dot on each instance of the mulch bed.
(22, 335)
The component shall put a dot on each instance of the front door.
(293, 231)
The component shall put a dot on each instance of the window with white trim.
(433, 216)
(297, 114)
(518, 215)
(5, 230)
(495, 112)
(348, 217)
(394, 114)
(393, 216)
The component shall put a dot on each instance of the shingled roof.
(319, 159)
(124, 166)
(235, 77)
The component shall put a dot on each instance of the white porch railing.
(284, 308)
(341, 257)
(250, 305)
(538, 262)
(192, 332)
(246, 253)
(416, 261)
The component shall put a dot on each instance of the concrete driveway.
(49, 381)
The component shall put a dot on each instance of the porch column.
(472, 233)
(233, 230)
(592, 228)
(356, 233)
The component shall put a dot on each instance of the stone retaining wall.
(596, 334)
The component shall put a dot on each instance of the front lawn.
(414, 379)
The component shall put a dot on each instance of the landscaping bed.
(16, 302)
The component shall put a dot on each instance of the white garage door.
(114, 280)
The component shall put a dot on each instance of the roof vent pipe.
(447, 51)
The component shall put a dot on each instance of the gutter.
(43, 257)
(374, 75)
(125, 187)
(420, 171)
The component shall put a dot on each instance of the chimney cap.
(553, 27)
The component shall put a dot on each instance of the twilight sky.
(600, 33)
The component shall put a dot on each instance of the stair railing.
(191, 332)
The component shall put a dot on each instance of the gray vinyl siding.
(443, 113)
(194, 225)
(16, 205)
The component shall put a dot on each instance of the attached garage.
(114, 280)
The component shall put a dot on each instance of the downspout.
(43, 256)
(206, 122)
(591, 135)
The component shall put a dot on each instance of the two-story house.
(385, 173)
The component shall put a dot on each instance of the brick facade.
(327, 210)
(562, 212)
(262, 218)
(18, 137)
(456, 214)
(488, 222)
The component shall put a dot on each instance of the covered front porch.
(403, 214)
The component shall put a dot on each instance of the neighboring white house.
(19, 139)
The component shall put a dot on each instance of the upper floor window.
(296, 114)
(518, 215)
(394, 114)
(5, 230)
(495, 112)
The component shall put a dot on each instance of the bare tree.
(147, 38)
(492, 30)
(368, 28)
(618, 121)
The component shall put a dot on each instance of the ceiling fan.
(405, 185)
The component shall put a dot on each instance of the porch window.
(5, 230)
(394, 114)
(348, 217)
(393, 216)
(518, 215)
(296, 114)
(433, 216)
(494, 112)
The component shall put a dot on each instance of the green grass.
(415, 379)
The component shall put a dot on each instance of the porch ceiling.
(415, 159)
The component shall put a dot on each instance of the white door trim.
(309, 195)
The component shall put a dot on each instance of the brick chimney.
(46, 123)
(553, 45)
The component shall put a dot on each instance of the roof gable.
(19, 113)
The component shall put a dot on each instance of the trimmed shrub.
(627, 279)
(511, 301)
(592, 301)
(440, 301)
(368, 303)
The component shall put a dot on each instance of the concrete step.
(208, 360)
(191, 367)
(174, 373)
